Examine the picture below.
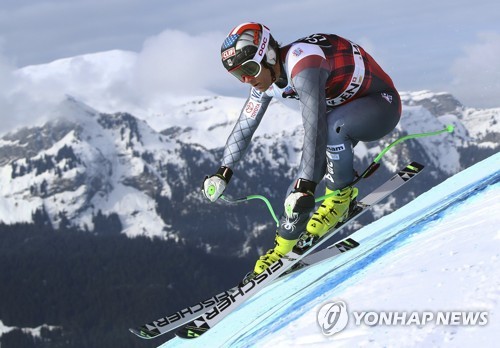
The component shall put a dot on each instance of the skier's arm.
(237, 143)
(310, 86)
(251, 114)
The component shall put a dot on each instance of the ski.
(244, 291)
(184, 316)
(321, 255)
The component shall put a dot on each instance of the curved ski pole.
(448, 129)
(368, 171)
(248, 198)
(375, 164)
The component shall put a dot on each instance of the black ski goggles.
(250, 68)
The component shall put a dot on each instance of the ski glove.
(301, 199)
(214, 186)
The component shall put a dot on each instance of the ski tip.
(141, 333)
(351, 242)
(415, 167)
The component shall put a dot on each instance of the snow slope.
(441, 252)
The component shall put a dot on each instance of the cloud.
(19, 106)
(169, 65)
(175, 62)
(476, 74)
(29, 96)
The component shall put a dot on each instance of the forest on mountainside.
(93, 287)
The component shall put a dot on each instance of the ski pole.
(376, 162)
(250, 197)
(368, 171)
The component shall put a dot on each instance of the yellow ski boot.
(332, 211)
(282, 247)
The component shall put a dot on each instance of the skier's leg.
(364, 119)
(287, 234)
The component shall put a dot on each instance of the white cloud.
(18, 107)
(169, 65)
(476, 74)
(174, 62)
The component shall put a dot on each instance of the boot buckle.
(305, 241)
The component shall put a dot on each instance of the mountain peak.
(148, 170)
(439, 104)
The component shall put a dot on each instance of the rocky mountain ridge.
(142, 176)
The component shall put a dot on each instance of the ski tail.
(180, 318)
(199, 326)
(143, 332)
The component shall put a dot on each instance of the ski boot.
(333, 210)
(282, 247)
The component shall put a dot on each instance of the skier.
(344, 97)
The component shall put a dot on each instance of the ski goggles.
(251, 68)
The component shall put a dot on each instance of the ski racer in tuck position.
(344, 97)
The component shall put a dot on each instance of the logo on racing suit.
(290, 223)
(333, 156)
(347, 94)
(316, 39)
(330, 170)
(251, 109)
(387, 97)
(335, 148)
(256, 94)
(290, 92)
(297, 52)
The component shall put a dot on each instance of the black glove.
(301, 198)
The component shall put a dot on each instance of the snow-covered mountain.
(110, 150)
(140, 173)
(437, 256)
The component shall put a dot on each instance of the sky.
(448, 45)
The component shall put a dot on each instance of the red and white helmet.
(248, 42)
